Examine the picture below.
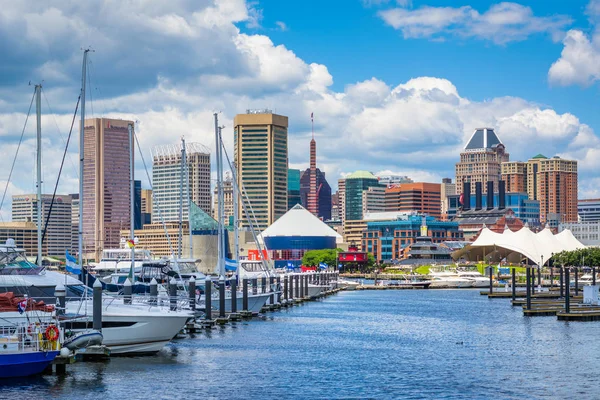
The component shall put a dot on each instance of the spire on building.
(312, 194)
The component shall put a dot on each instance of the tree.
(316, 257)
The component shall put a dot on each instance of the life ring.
(52, 333)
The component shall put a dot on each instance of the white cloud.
(417, 127)
(502, 23)
(281, 26)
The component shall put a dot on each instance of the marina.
(441, 344)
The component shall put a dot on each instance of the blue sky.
(396, 86)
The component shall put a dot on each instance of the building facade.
(447, 188)
(386, 240)
(261, 158)
(388, 180)
(293, 188)
(525, 209)
(514, 173)
(58, 235)
(424, 198)
(355, 185)
(322, 193)
(24, 235)
(481, 159)
(166, 180)
(589, 210)
(106, 188)
(373, 199)
(556, 189)
(74, 224)
(342, 199)
(588, 233)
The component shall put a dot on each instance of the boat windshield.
(14, 262)
(252, 266)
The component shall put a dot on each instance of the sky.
(396, 86)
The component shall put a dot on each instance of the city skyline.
(389, 118)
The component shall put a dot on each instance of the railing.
(28, 337)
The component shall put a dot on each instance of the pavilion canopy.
(516, 246)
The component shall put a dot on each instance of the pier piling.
(208, 299)
(97, 306)
(127, 290)
(285, 290)
(297, 292)
(255, 286)
(306, 278)
(263, 284)
(291, 287)
(245, 295)
(491, 272)
(173, 294)
(528, 284)
(153, 292)
(576, 281)
(514, 283)
(594, 276)
(567, 290)
(561, 280)
(222, 298)
(278, 290)
(192, 293)
(301, 287)
(61, 296)
(233, 283)
(272, 298)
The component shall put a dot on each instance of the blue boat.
(25, 363)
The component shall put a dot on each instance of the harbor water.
(442, 344)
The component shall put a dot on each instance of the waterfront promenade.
(451, 344)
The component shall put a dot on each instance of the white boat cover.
(514, 246)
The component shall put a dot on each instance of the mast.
(236, 248)
(221, 204)
(38, 114)
(81, 152)
(180, 242)
(219, 231)
(131, 202)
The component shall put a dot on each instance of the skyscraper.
(293, 188)
(355, 185)
(342, 199)
(551, 181)
(421, 197)
(481, 159)
(106, 189)
(555, 187)
(166, 181)
(261, 158)
(447, 188)
(58, 234)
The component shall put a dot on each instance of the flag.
(230, 265)
(461, 199)
(290, 265)
(22, 306)
(322, 265)
(311, 116)
(72, 265)
(130, 244)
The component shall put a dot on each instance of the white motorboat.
(347, 284)
(586, 279)
(136, 328)
(477, 280)
(448, 279)
(118, 261)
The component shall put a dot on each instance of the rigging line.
(16, 154)
(154, 199)
(59, 132)
(60, 172)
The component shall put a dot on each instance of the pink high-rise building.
(106, 190)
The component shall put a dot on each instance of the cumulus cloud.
(502, 23)
(181, 62)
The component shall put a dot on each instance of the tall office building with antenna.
(261, 157)
(106, 191)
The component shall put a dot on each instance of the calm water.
(439, 344)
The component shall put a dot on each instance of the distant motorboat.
(450, 280)
(477, 279)
(347, 284)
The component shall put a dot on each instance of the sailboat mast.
(236, 238)
(132, 201)
(81, 151)
(221, 194)
(219, 231)
(38, 114)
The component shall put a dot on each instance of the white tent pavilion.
(538, 247)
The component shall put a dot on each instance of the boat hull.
(16, 365)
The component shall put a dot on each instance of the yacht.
(127, 328)
(347, 284)
(115, 261)
(477, 280)
(450, 280)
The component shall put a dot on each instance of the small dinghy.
(83, 340)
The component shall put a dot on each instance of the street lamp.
(540, 274)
